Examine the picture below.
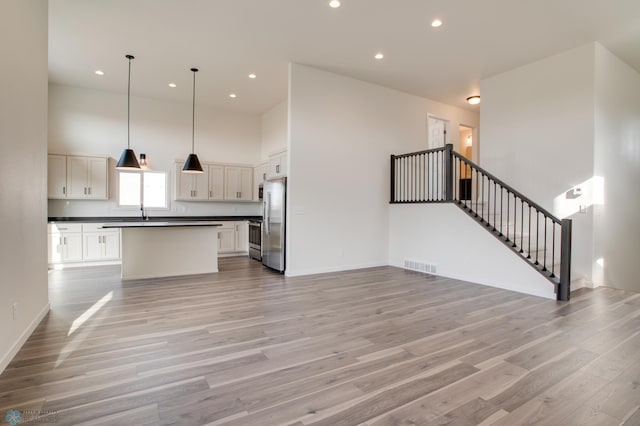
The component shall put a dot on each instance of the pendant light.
(128, 160)
(192, 165)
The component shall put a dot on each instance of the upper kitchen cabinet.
(277, 165)
(191, 186)
(57, 176)
(259, 176)
(216, 182)
(78, 177)
(238, 183)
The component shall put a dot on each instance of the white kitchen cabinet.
(216, 182)
(57, 176)
(100, 244)
(233, 237)
(277, 165)
(77, 177)
(227, 237)
(65, 243)
(242, 236)
(87, 177)
(190, 186)
(259, 176)
(238, 183)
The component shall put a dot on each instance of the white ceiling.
(228, 39)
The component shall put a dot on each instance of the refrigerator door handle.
(267, 206)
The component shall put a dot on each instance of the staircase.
(444, 176)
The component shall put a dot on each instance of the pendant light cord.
(193, 115)
(129, 57)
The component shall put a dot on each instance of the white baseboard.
(6, 358)
(582, 283)
(313, 271)
(58, 266)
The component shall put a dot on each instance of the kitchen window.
(148, 188)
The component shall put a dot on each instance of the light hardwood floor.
(375, 347)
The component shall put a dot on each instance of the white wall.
(23, 179)
(93, 122)
(445, 236)
(341, 134)
(275, 123)
(617, 160)
(537, 135)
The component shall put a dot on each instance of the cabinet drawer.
(64, 227)
(96, 227)
(227, 225)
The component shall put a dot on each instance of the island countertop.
(153, 224)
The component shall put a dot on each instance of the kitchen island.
(167, 249)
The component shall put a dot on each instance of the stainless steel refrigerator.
(274, 223)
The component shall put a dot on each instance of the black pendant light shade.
(192, 165)
(128, 158)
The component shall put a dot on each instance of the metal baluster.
(508, 214)
(488, 202)
(476, 197)
(544, 259)
(553, 250)
(537, 235)
(482, 200)
(495, 210)
(529, 250)
(521, 224)
(437, 177)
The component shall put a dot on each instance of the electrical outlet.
(15, 311)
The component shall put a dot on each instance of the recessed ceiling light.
(99, 72)
(436, 23)
(172, 85)
(379, 55)
(334, 4)
(252, 75)
(474, 100)
(232, 95)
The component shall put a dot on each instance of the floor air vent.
(427, 268)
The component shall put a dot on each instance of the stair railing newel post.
(392, 188)
(448, 171)
(564, 288)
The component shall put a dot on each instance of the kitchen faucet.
(144, 217)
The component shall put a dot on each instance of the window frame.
(141, 191)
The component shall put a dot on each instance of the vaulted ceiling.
(229, 39)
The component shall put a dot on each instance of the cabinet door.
(54, 248)
(274, 166)
(93, 248)
(242, 236)
(184, 183)
(216, 182)
(77, 177)
(111, 245)
(245, 189)
(200, 186)
(226, 240)
(97, 184)
(72, 247)
(231, 183)
(284, 164)
(57, 176)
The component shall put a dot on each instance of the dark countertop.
(112, 219)
(157, 224)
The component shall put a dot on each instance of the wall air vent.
(426, 268)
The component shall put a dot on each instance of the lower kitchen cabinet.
(101, 245)
(65, 243)
(77, 242)
(233, 237)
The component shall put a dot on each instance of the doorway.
(465, 146)
(437, 129)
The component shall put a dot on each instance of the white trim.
(6, 359)
(314, 271)
(80, 264)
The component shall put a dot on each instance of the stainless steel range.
(255, 239)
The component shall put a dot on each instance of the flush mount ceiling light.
(192, 165)
(99, 72)
(474, 100)
(172, 85)
(252, 76)
(334, 4)
(436, 23)
(128, 158)
(379, 55)
(233, 95)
